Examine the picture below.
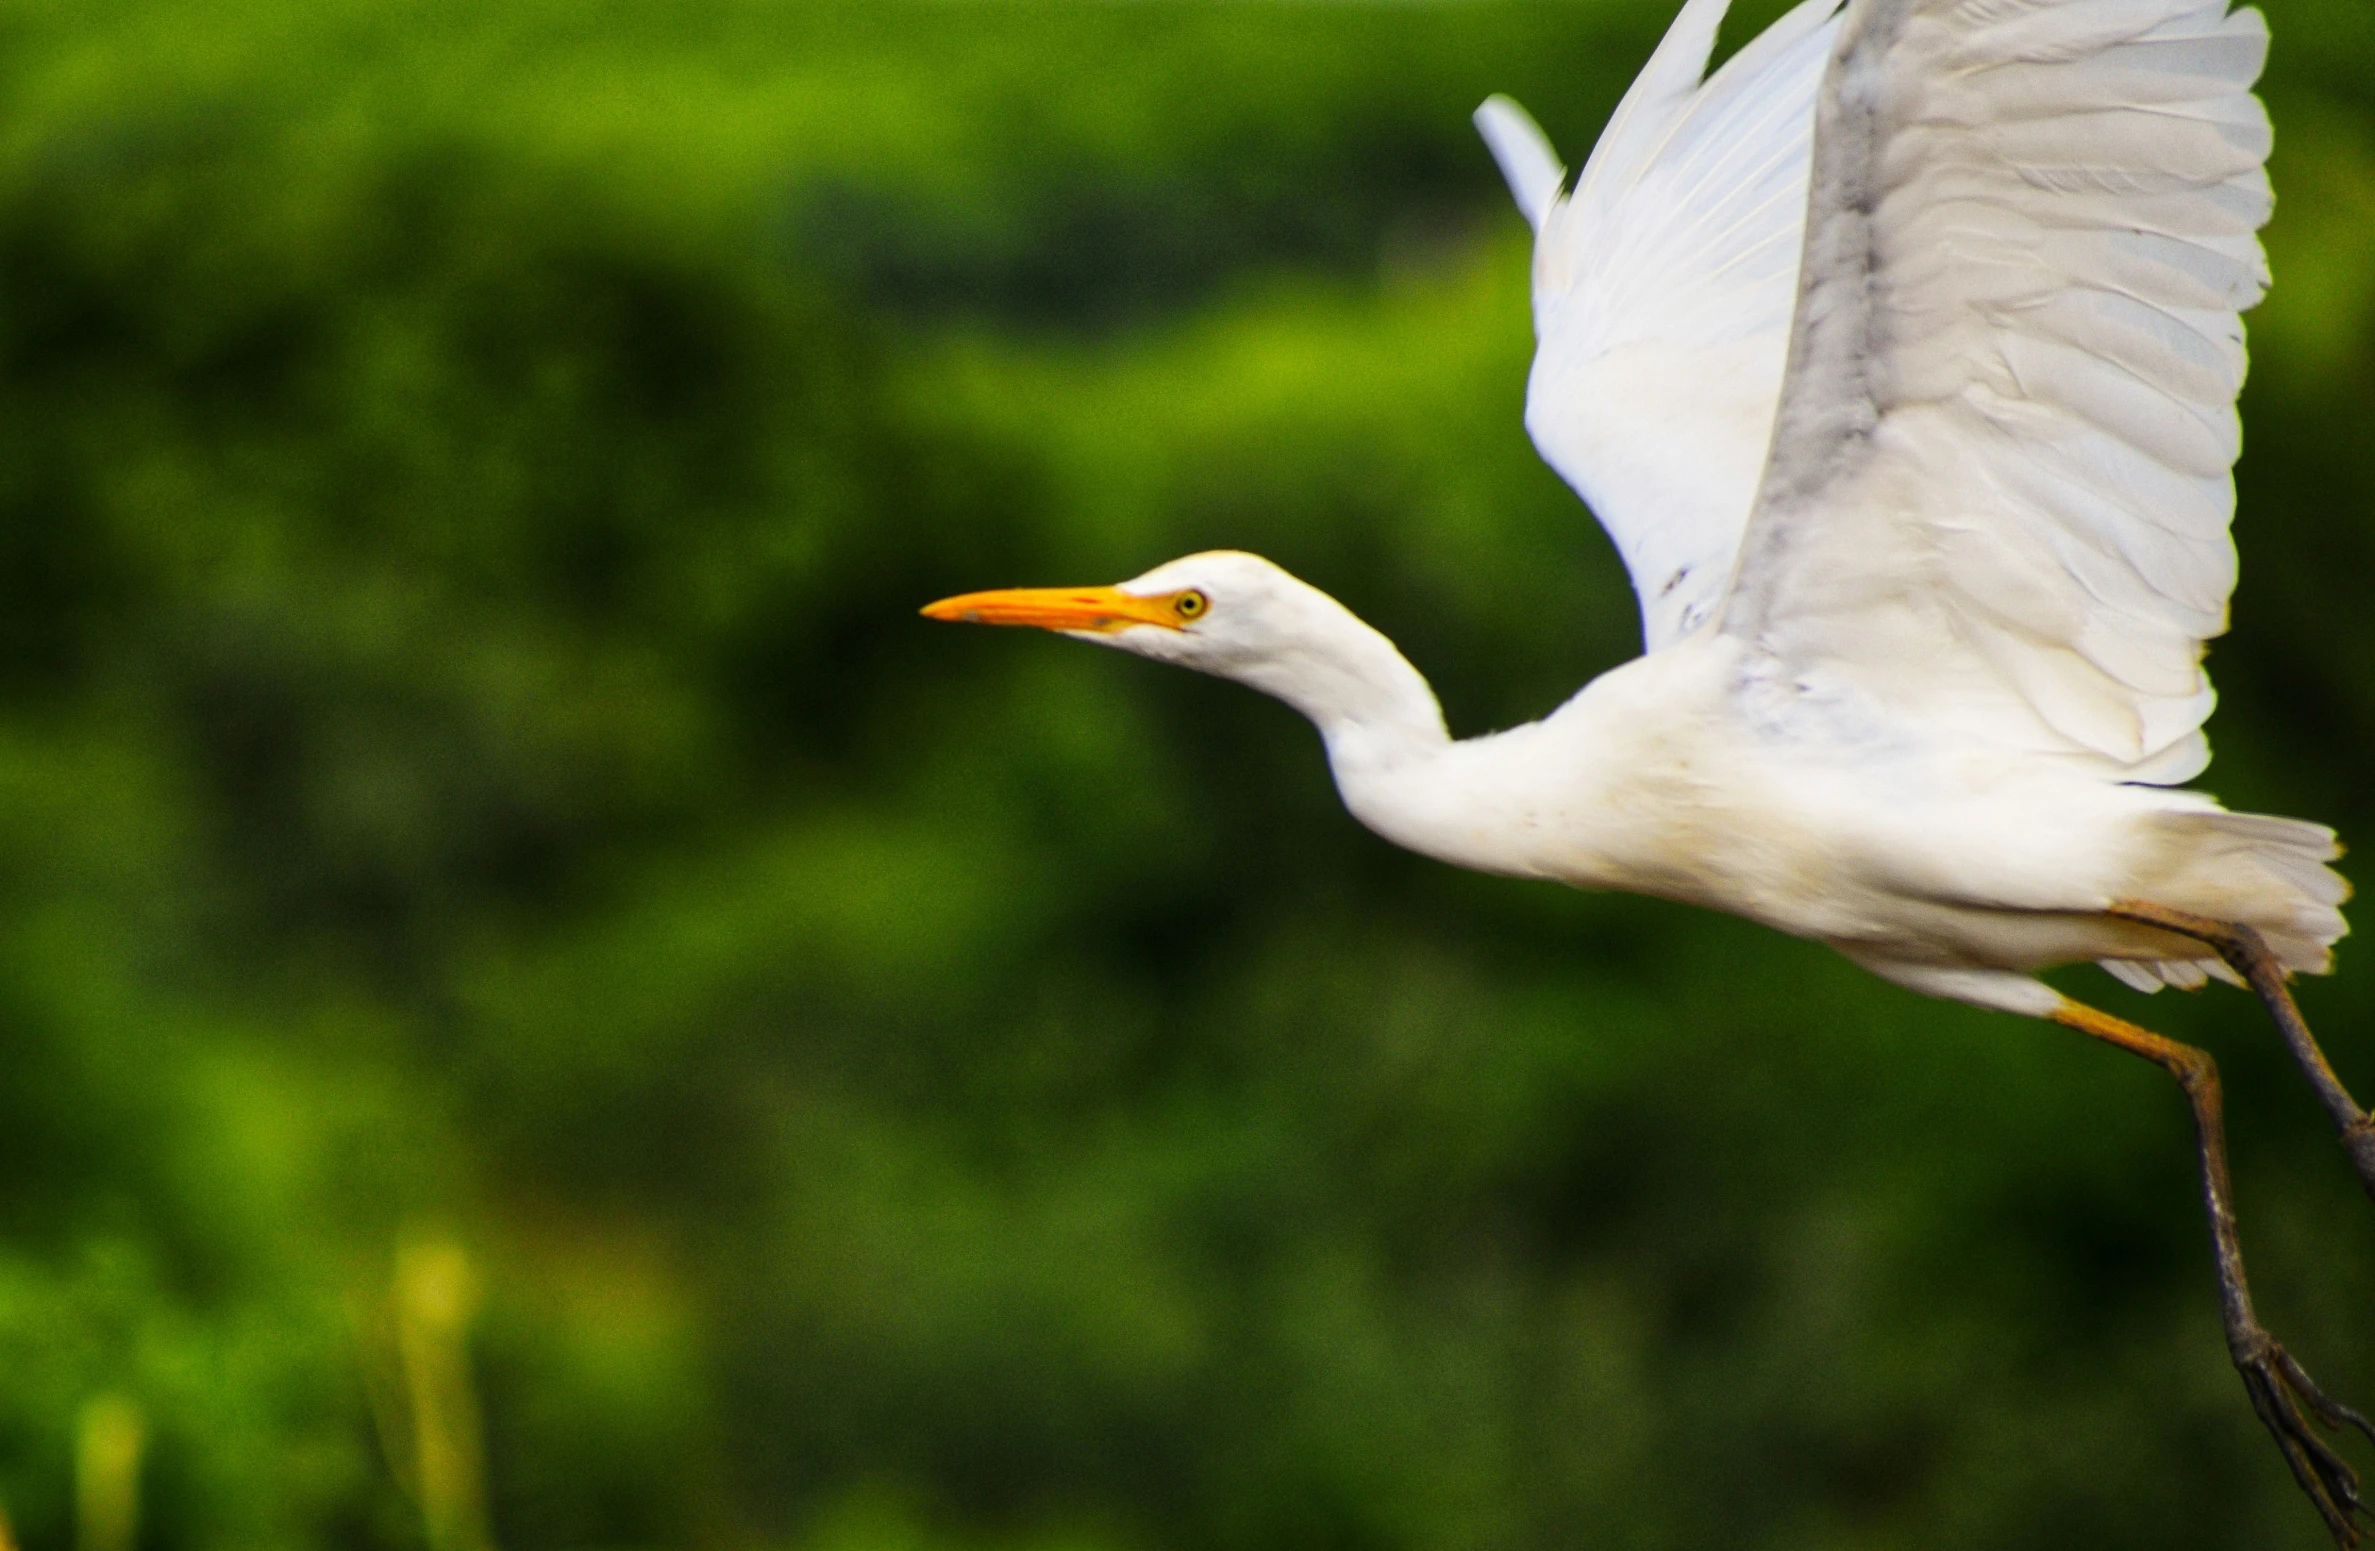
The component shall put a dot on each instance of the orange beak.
(1100, 609)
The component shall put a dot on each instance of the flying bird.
(1899, 359)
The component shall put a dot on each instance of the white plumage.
(1927, 529)
(1663, 287)
(1899, 358)
(1992, 503)
(2002, 463)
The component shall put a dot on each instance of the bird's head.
(1221, 612)
(1236, 615)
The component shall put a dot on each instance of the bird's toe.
(2280, 1390)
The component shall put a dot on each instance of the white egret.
(1899, 358)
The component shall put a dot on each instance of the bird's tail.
(2269, 873)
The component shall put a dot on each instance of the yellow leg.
(2278, 1386)
(2249, 955)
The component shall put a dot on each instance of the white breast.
(1664, 778)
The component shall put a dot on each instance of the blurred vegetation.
(540, 1006)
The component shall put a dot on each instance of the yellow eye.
(1190, 604)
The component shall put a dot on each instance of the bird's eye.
(1190, 604)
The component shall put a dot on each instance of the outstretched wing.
(1662, 293)
(2000, 482)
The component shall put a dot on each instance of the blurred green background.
(541, 1006)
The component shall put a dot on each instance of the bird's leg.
(2247, 953)
(2278, 1386)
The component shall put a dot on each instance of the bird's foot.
(2280, 1389)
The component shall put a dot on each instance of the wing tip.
(1524, 154)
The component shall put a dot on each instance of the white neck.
(1365, 698)
(1474, 804)
(1368, 702)
(1395, 763)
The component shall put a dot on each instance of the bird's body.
(1899, 358)
(1949, 865)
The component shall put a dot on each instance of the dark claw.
(2330, 1412)
(2279, 1388)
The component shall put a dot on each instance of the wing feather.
(1662, 291)
(2000, 481)
(1524, 154)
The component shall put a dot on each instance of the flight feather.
(1663, 283)
(2000, 483)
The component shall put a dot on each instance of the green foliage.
(470, 769)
